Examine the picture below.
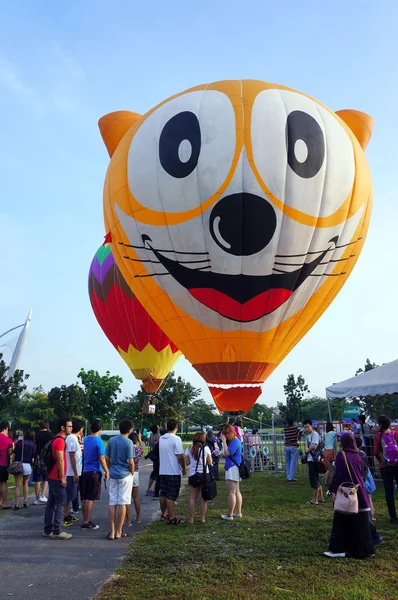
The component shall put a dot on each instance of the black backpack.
(245, 468)
(44, 461)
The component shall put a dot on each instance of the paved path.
(32, 567)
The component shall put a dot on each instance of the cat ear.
(114, 125)
(360, 124)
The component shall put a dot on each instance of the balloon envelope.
(237, 211)
(146, 350)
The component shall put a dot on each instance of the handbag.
(370, 485)
(198, 479)
(346, 500)
(16, 467)
(245, 468)
(209, 489)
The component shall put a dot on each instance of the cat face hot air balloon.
(237, 211)
(141, 343)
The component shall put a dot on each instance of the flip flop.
(162, 518)
(124, 535)
(175, 521)
(321, 501)
(109, 537)
(313, 503)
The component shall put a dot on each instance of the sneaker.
(62, 536)
(74, 519)
(335, 554)
(237, 515)
(155, 498)
(43, 499)
(150, 494)
(37, 503)
(48, 535)
(25, 505)
(227, 517)
(378, 541)
(89, 525)
(73, 512)
(67, 522)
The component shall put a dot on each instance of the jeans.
(54, 515)
(390, 475)
(291, 455)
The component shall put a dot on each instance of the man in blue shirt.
(94, 462)
(120, 455)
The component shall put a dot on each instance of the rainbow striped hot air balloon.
(141, 343)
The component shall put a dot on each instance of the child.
(329, 451)
(139, 450)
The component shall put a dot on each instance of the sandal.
(175, 521)
(162, 518)
(123, 535)
(313, 503)
(109, 537)
(322, 501)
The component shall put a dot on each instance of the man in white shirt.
(313, 441)
(172, 464)
(74, 465)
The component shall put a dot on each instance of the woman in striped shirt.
(291, 434)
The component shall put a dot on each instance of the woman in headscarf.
(211, 443)
(351, 535)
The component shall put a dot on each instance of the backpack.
(317, 454)
(153, 454)
(45, 461)
(390, 449)
(245, 468)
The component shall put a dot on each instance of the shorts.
(120, 491)
(90, 485)
(170, 487)
(154, 476)
(232, 474)
(313, 475)
(27, 469)
(4, 474)
(71, 488)
(136, 479)
(38, 477)
(329, 457)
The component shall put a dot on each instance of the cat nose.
(242, 224)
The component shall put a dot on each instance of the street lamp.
(261, 422)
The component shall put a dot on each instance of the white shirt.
(169, 446)
(72, 445)
(193, 461)
(313, 438)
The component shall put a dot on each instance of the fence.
(269, 454)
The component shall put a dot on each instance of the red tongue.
(253, 309)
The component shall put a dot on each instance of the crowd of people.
(348, 472)
(77, 465)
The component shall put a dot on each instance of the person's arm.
(224, 446)
(180, 458)
(186, 458)
(209, 459)
(108, 461)
(377, 446)
(104, 466)
(61, 467)
(72, 458)
(131, 465)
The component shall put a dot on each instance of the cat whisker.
(318, 251)
(336, 260)
(159, 250)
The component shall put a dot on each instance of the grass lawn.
(274, 552)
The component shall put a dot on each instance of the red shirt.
(58, 445)
(378, 450)
(5, 445)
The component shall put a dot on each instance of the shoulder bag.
(198, 479)
(16, 467)
(245, 468)
(209, 489)
(346, 500)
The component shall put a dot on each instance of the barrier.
(268, 454)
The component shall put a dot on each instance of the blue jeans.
(54, 515)
(291, 454)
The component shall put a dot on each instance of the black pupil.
(182, 128)
(301, 126)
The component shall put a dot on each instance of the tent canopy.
(377, 382)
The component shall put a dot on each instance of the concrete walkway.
(32, 567)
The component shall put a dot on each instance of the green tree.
(67, 401)
(100, 393)
(257, 410)
(131, 408)
(34, 407)
(295, 390)
(369, 366)
(11, 389)
(316, 408)
(202, 413)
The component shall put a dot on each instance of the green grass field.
(274, 552)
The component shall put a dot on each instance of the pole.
(261, 422)
(329, 409)
(273, 423)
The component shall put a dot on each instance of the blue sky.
(64, 65)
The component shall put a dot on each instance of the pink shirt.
(5, 445)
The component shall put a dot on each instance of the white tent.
(377, 382)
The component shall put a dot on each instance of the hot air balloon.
(237, 210)
(146, 350)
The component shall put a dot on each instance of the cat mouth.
(241, 298)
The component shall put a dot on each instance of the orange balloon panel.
(237, 211)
